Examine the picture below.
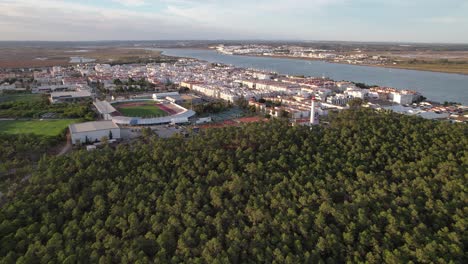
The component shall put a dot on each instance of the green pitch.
(51, 128)
(142, 109)
(20, 98)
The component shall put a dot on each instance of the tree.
(355, 103)
(104, 140)
(147, 132)
(242, 103)
(284, 113)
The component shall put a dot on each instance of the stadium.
(135, 112)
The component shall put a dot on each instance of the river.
(435, 86)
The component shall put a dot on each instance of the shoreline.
(343, 63)
(313, 59)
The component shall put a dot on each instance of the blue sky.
(349, 20)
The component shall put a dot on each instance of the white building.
(6, 86)
(345, 85)
(339, 99)
(357, 92)
(250, 84)
(322, 93)
(228, 96)
(69, 97)
(56, 71)
(206, 90)
(161, 96)
(262, 75)
(93, 131)
(403, 98)
(203, 120)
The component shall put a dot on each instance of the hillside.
(375, 187)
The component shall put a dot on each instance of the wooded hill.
(368, 187)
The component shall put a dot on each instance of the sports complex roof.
(92, 126)
(104, 107)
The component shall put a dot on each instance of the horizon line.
(238, 40)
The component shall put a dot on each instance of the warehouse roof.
(92, 126)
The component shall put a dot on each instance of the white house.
(403, 98)
(357, 92)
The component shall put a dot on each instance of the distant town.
(357, 56)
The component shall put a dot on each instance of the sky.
(441, 21)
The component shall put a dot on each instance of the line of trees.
(210, 107)
(37, 108)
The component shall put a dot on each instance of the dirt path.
(67, 148)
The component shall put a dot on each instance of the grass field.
(140, 109)
(38, 127)
(435, 67)
(25, 56)
(20, 98)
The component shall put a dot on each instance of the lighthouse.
(313, 119)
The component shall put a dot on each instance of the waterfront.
(433, 85)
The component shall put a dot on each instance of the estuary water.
(435, 86)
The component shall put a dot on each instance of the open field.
(20, 98)
(16, 57)
(436, 61)
(32, 54)
(436, 67)
(140, 109)
(459, 65)
(51, 128)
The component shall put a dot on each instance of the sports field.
(20, 98)
(140, 109)
(38, 127)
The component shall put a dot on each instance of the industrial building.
(93, 131)
(69, 97)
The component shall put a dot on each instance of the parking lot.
(168, 131)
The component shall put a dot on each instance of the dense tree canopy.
(18, 153)
(375, 187)
(210, 107)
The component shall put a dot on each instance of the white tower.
(313, 119)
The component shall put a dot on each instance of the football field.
(51, 128)
(140, 109)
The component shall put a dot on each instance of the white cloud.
(59, 20)
(131, 2)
